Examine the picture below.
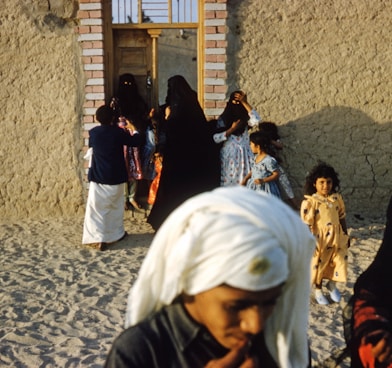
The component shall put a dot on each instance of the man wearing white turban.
(225, 283)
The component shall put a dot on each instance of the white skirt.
(104, 218)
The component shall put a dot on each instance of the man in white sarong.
(104, 217)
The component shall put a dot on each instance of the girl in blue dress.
(264, 174)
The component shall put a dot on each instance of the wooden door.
(132, 54)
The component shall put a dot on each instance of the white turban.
(234, 236)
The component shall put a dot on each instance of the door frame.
(153, 30)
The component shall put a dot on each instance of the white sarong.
(104, 218)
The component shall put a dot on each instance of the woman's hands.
(233, 127)
(242, 98)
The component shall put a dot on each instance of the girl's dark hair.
(269, 128)
(260, 139)
(321, 170)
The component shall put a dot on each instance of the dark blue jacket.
(108, 164)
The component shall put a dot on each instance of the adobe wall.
(41, 93)
(321, 70)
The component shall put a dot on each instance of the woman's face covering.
(233, 316)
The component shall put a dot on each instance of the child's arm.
(343, 224)
(342, 217)
(246, 178)
(272, 177)
(307, 213)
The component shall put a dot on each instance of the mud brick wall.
(42, 90)
(321, 70)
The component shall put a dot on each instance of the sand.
(61, 304)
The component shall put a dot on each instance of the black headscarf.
(131, 103)
(234, 111)
(181, 95)
(186, 117)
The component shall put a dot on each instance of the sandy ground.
(61, 305)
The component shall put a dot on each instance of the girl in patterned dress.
(270, 129)
(265, 171)
(323, 210)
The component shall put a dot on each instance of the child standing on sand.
(264, 173)
(323, 210)
(270, 129)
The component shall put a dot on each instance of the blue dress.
(261, 170)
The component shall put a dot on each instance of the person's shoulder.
(140, 345)
(271, 159)
(152, 327)
(95, 129)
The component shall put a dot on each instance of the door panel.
(132, 54)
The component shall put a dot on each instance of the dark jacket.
(170, 338)
(108, 164)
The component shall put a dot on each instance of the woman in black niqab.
(131, 103)
(191, 162)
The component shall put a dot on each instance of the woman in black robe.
(191, 159)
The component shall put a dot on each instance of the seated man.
(226, 282)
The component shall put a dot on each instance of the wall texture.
(321, 70)
(41, 94)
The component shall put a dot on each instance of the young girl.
(323, 210)
(264, 173)
(270, 129)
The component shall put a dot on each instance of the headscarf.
(184, 105)
(238, 237)
(131, 103)
(233, 112)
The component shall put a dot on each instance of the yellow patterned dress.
(323, 215)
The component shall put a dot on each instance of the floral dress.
(323, 215)
(261, 170)
(235, 155)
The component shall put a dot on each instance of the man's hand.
(235, 358)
